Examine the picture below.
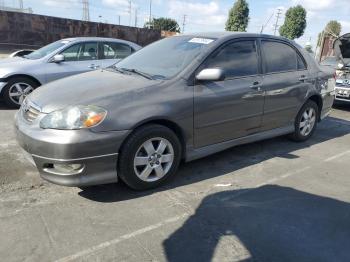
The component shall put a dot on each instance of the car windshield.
(165, 58)
(48, 49)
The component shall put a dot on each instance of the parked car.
(330, 61)
(181, 98)
(21, 53)
(342, 51)
(21, 75)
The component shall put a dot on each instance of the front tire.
(17, 89)
(149, 157)
(305, 122)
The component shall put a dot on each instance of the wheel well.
(173, 127)
(318, 100)
(25, 76)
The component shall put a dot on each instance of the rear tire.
(305, 122)
(149, 157)
(17, 89)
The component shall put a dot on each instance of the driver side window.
(237, 59)
(80, 52)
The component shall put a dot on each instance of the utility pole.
(118, 19)
(86, 12)
(129, 11)
(150, 14)
(279, 12)
(184, 23)
(135, 17)
(21, 4)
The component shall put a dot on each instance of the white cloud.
(53, 3)
(199, 15)
(345, 26)
(315, 4)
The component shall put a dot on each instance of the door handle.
(256, 86)
(302, 78)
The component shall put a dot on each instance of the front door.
(233, 108)
(79, 58)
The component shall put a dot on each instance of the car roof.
(228, 35)
(109, 39)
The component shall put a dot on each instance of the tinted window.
(280, 57)
(301, 63)
(116, 50)
(81, 52)
(237, 59)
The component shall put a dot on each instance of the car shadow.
(344, 106)
(224, 162)
(269, 223)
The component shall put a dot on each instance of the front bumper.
(95, 152)
(342, 94)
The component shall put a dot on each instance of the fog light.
(63, 169)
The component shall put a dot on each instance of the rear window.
(280, 57)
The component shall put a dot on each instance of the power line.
(86, 10)
(268, 21)
(279, 12)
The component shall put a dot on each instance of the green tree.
(295, 23)
(163, 23)
(333, 27)
(238, 17)
(309, 49)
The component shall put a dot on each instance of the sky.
(201, 15)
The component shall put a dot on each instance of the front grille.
(30, 112)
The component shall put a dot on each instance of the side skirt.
(193, 154)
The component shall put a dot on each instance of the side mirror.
(58, 58)
(211, 74)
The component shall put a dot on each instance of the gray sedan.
(181, 98)
(21, 75)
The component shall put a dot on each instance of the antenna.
(184, 23)
(279, 12)
(86, 12)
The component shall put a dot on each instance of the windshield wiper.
(135, 71)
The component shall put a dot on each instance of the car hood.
(103, 88)
(342, 48)
(15, 61)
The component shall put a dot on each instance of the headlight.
(74, 117)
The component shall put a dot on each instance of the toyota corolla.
(181, 98)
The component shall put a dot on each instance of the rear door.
(113, 52)
(79, 58)
(286, 82)
(225, 110)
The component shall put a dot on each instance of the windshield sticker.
(203, 41)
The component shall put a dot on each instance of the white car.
(342, 52)
(19, 76)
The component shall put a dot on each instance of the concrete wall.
(20, 30)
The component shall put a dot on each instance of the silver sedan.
(19, 76)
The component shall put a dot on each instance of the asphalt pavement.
(274, 200)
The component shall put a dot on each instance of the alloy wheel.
(18, 91)
(153, 159)
(307, 121)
